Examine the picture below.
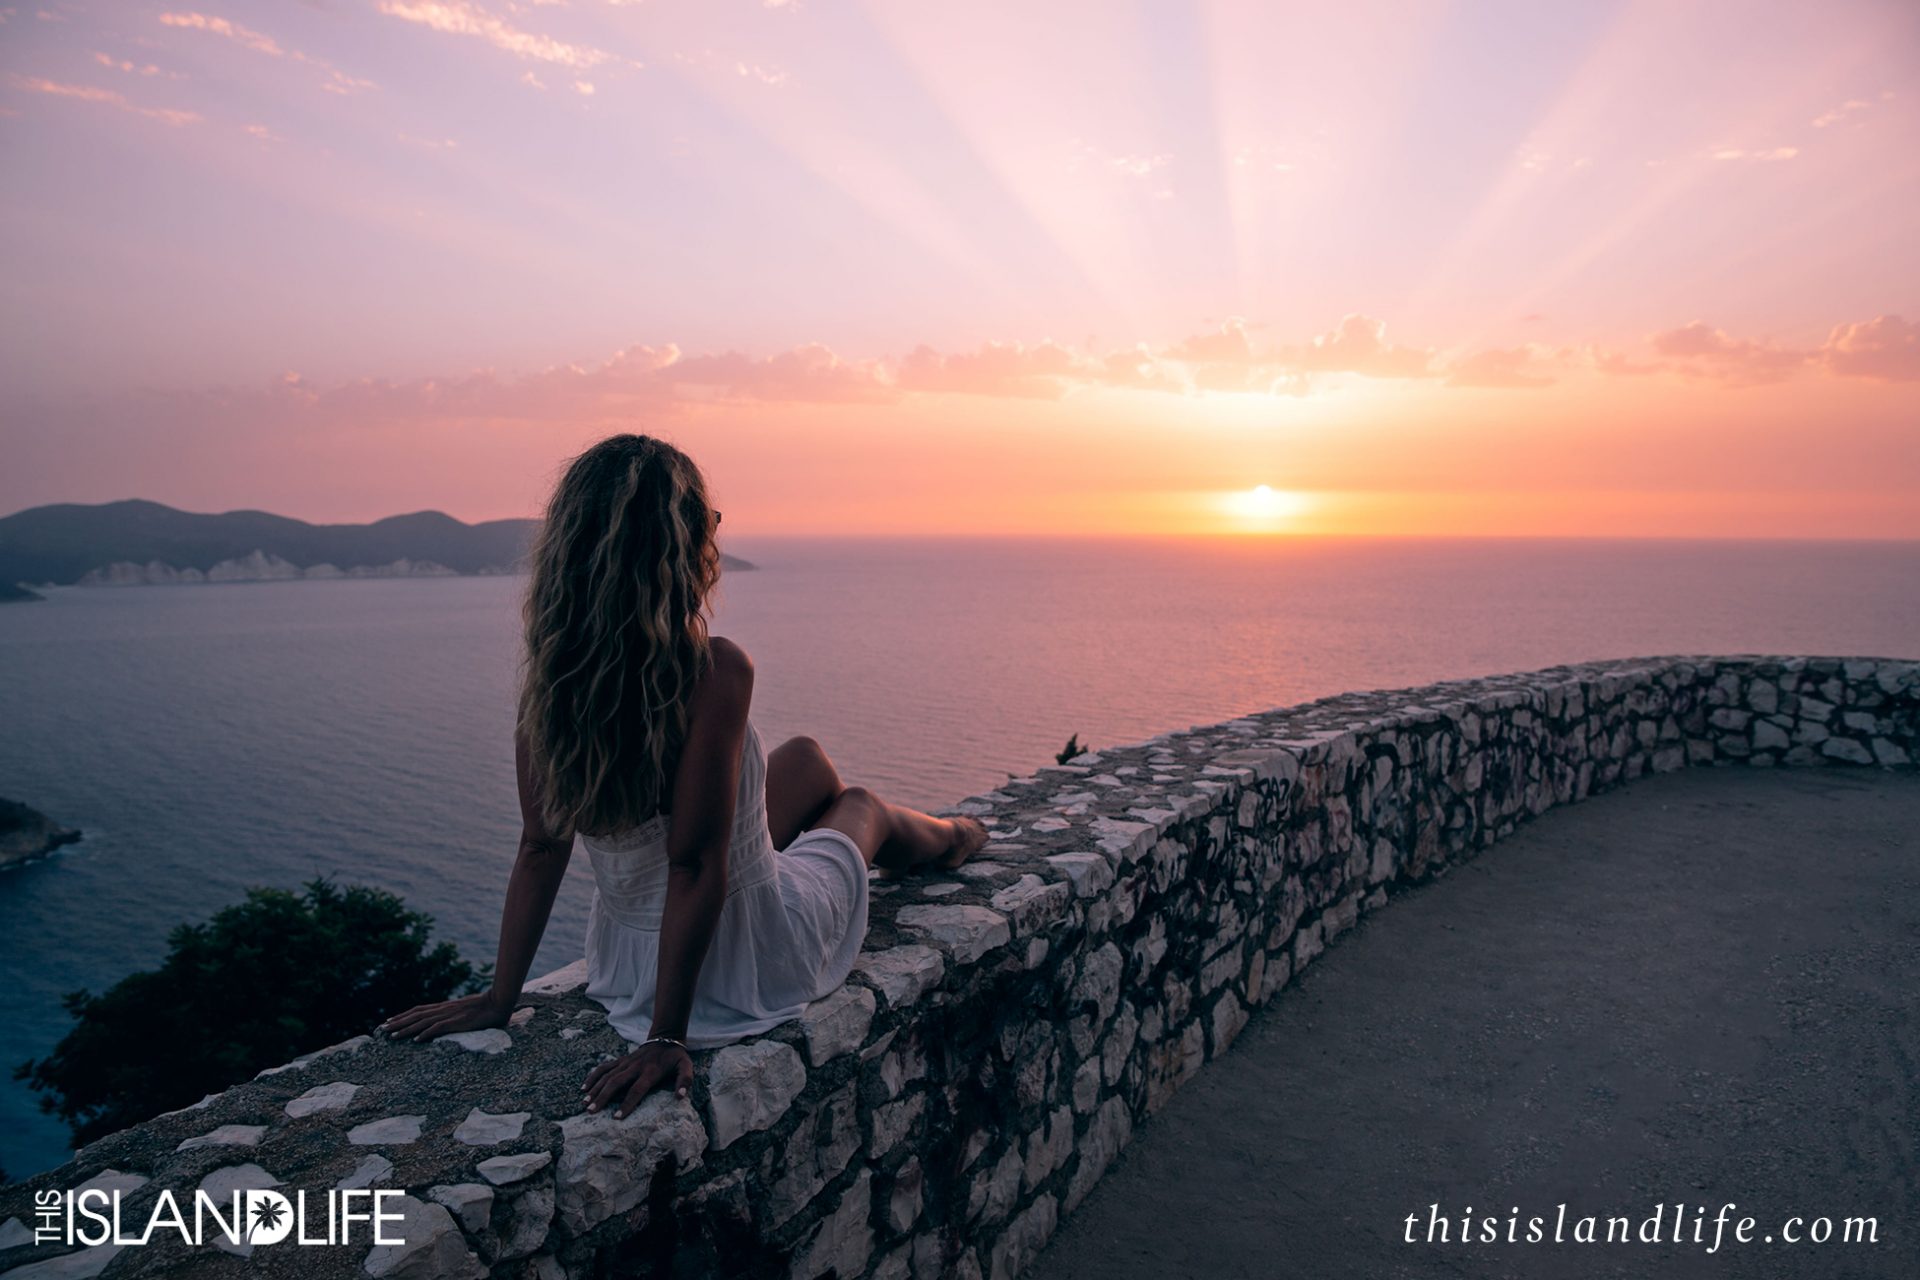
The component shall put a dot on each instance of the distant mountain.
(121, 543)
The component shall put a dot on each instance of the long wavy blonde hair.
(616, 629)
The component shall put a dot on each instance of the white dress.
(788, 933)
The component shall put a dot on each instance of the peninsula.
(26, 834)
(139, 543)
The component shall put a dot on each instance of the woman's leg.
(896, 838)
(801, 783)
(804, 791)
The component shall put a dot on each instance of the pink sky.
(1572, 268)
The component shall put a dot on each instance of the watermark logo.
(269, 1217)
(1697, 1225)
(245, 1218)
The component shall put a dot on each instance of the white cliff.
(257, 566)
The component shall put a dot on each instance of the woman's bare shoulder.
(730, 664)
(727, 652)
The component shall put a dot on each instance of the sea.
(211, 738)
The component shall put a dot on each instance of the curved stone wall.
(1007, 1028)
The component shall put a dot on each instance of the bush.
(261, 983)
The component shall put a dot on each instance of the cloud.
(1618, 364)
(131, 68)
(1138, 166)
(337, 81)
(243, 36)
(639, 379)
(457, 17)
(105, 97)
(1358, 344)
(1499, 367)
(1701, 351)
(1224, 359)
(1227, 344)
(1127, 164)
(807, 374)
(1045, 371)
(1826, 119)
(765, 75)
(663, 381)
(1770, 154)
(1227, 359)
(1886, 348)
(626, 383)
(1139, 369)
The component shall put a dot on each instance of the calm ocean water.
(211, 738)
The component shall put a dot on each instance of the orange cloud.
(131, 68)
(1886, 348)
(663, 380)
(457, 17)
(1228, 344)
(1618, 364)
(1140, 369)
(233, 31)
(1225, 360)
(105, 97)
(1044, 371)
(1499, 367)
(1359, 345)
(640, 379)
(807, 374)
(1839, 113)
(1701, 351)
(337, 80)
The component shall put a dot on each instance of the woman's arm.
(704, 787)
(538, 868)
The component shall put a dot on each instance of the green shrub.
(261, 983)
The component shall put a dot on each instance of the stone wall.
(1008, 1028)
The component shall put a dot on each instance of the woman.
(730, 882)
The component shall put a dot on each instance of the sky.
(1587, 268)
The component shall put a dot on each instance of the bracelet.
(663, 1040)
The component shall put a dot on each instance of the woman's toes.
(969, 836)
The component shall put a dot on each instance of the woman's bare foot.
(969, 837)
(905, 841)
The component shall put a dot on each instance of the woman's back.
(630, 867)
(788, 934)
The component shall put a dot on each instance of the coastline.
(27, 835)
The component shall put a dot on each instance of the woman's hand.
(468, 1013)
(626, 1081)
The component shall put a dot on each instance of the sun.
(1264, 506)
